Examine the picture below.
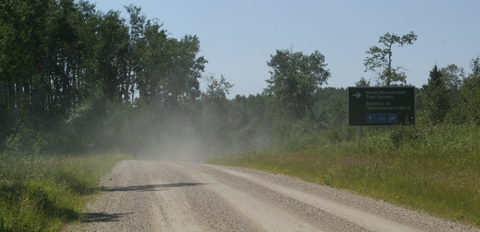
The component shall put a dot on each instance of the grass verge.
(432, 169)
(42, 193)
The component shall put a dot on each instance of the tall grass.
(40, 193)
(433, 169)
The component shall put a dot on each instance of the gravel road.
(168, 196)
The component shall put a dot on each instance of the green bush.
(40, 193)
(400, 135)
(27, 141)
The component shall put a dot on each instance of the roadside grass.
(431, 169)
(41, 193)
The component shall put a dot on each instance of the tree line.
(62, 60)
(74, 79)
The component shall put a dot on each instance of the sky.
(238, 37)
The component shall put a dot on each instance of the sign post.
(381, 106)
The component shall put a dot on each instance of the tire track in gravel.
(268, 216)
(363, 219)
(166, 196)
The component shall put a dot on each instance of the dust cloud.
(182, 139)
(187, 149)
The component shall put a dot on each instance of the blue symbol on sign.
(392, 118)
(381, 118)
(370, 118)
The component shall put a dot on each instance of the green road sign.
(381, 106)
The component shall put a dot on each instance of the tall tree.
(247, 124)
(295, 78)
(453, 77)
(470, 93)
(135, 49)
(436, 100)
(215, 107)
(61, 61)
(112, 54)
(171, 68)
(380, 58)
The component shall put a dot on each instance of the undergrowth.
(40, 193)
(428, 168)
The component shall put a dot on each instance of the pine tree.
(436, 97)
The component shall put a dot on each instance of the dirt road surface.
(168, 196)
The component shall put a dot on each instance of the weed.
(39, 193)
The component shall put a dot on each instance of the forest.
(76, 81)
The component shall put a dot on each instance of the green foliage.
(403, 135)
(215, 114)
(75, 80)
(72, 74)
(85, 127)
(37, 143)
(436, 101)
(170, 68)
(453, 77)
(40, 193)
(249, 124)
(341, 133)
(293, 136)
(380, 58)
(470, 94)
(331, 104)
(294, 80)
(362, 82)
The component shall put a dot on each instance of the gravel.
(169, 196)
